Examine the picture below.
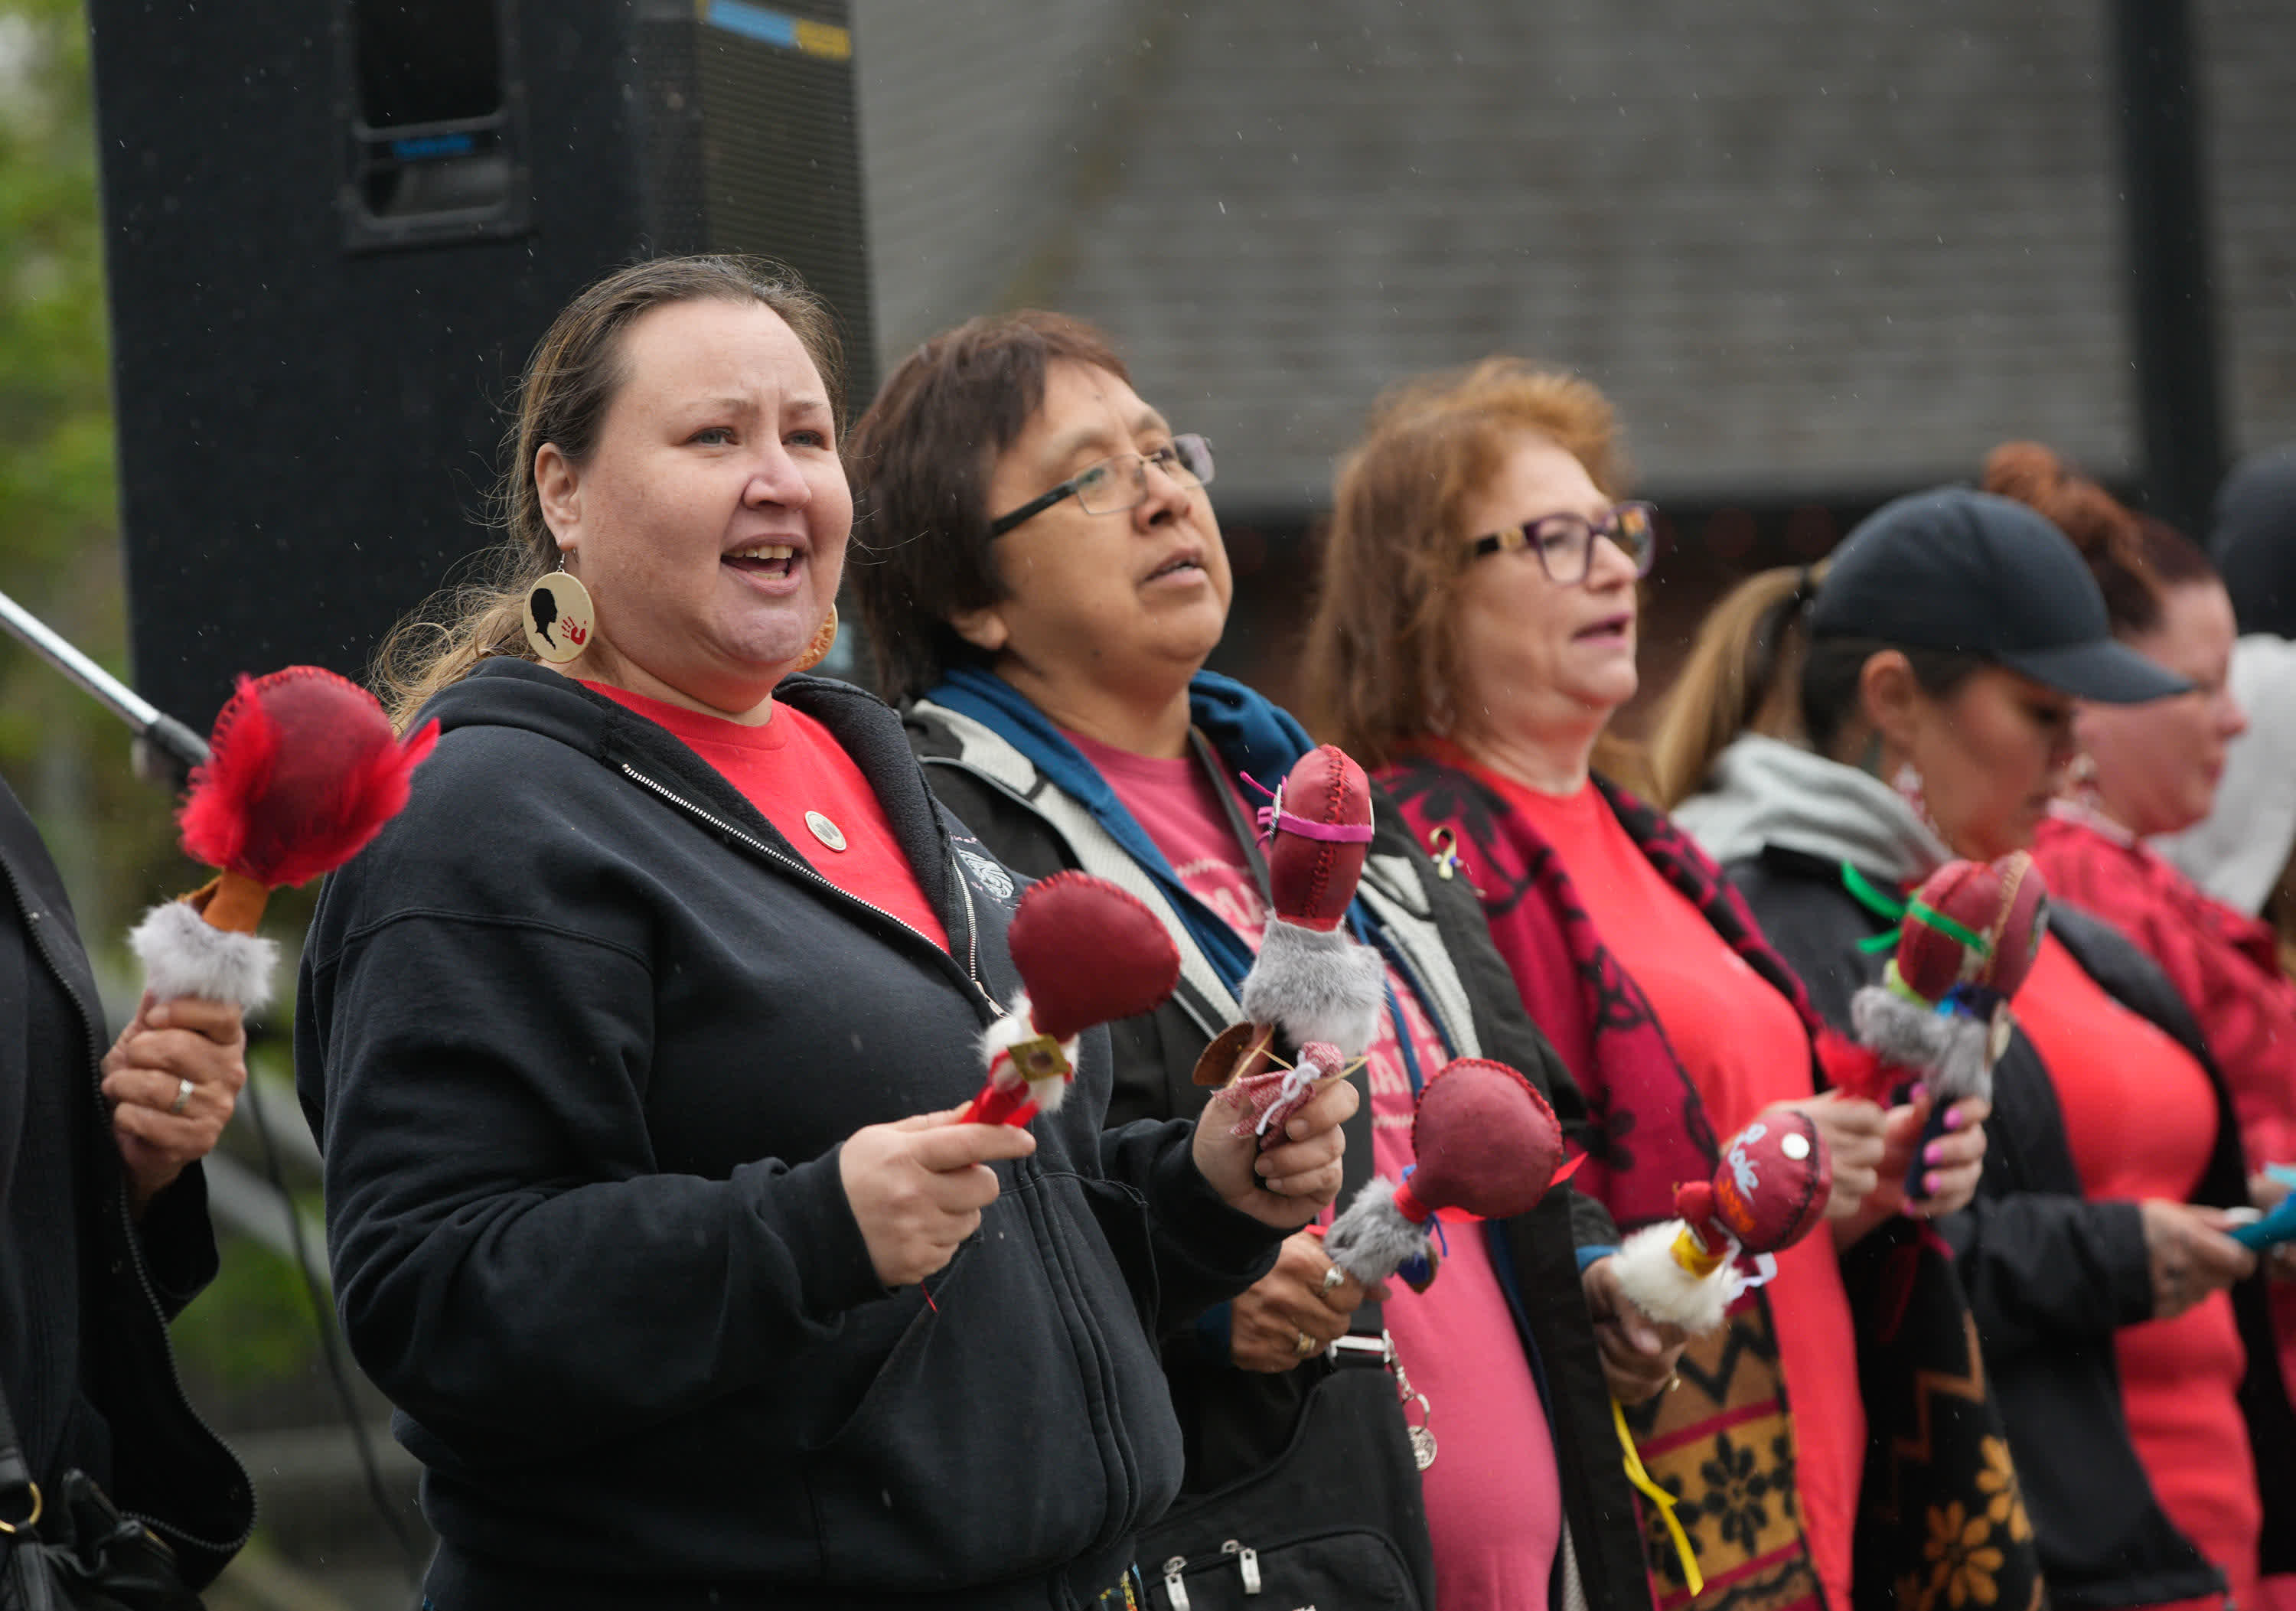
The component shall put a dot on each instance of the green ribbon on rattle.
(1884, 905)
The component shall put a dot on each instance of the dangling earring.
(1907, 782)
(2082, 775)
(559, 616)
(1439, 714)
(823, 641)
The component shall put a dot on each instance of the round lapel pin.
(825, 830)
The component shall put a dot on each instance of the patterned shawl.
(1723, 1442)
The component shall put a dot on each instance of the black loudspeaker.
(334, 229)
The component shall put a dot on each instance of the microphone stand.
(161, 737)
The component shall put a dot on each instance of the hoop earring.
(559, 616)
(823, 641)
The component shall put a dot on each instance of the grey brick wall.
(1806, 247)
(972, 114)
(2249, 47)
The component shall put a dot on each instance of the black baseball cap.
(1967, 571)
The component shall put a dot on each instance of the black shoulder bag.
(1336, 1520)
(71, 1549)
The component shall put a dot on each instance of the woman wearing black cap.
(1917, 705)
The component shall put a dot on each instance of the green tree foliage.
(66, 757)
(56, 497)
(58, 510)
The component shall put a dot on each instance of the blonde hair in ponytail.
(1743, 671)
(569, 385)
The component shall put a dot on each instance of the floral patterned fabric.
(1937, 1469)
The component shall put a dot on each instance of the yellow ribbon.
(1660, 1497)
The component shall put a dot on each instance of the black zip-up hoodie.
(581, 1035)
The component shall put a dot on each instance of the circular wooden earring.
(559, 617)
(823, 641)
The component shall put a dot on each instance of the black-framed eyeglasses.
(1120, 480)
(1565, 543)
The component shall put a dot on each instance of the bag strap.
(1355, 1168)
(20, 1497)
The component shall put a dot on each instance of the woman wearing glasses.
(1045, 578)
(1475, 635)
(636, 1044)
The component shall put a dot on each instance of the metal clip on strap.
(1369, 1350)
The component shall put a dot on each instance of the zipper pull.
(1175, 1590)
(1247, 1559)
(972, 941)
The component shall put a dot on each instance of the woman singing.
(1476, 633)
(634, 1045)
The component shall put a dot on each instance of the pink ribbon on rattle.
(1272, 816)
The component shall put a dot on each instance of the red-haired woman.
(2148, 770)
(2143, 770)
(1475, 634)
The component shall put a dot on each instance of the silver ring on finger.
(1333, 1277)
(183, 1089)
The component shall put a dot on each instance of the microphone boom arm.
(181, 745)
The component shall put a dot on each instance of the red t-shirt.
(1744, 1048)
(2142, 1122)
(2224, 964)
(1494, 1497)
(802, 781)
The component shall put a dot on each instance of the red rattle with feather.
(1313, 988)
(1768, 1192)
(1486, 1144)
(1087, 952)
(1966, 939)
(1485, 1141)
(302, 771)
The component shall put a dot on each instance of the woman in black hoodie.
(635, 1045)
(1926, 687)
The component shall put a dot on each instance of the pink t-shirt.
(1494, 1497)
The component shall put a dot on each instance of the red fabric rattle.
(302, 771)
(1940, 1015)
(1313, 984)
(1767, 1193)
(1486, 1141)
(1087, 953)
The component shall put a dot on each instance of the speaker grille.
(782, 158)
(307, 431)
(671, 95)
